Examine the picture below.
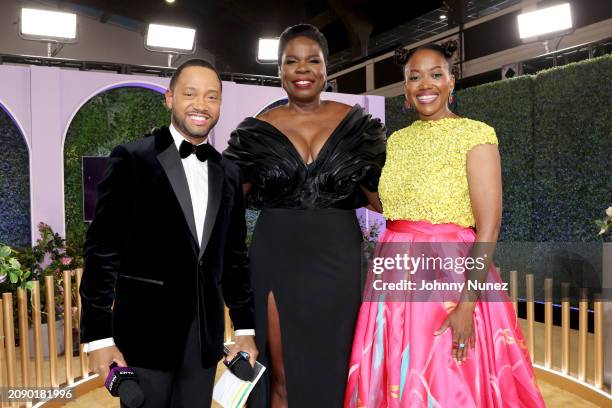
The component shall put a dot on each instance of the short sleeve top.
(425, 174)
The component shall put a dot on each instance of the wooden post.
(50, 303)
(82, 355)
(24, 348)
(530, 315)
(514, 290)
(9, 333)
(548, 321)
(583, 327)
(565, 327)
(37, 328)
(68, 326)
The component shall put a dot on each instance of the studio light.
(163, 38)
(545, 21)
(170, 40)
(48, 26)
(443, 17)
(267, 52)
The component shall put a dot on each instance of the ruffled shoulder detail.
(356, 155)
(353, 156)
(265, 161)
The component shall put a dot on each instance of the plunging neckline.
(323, 149)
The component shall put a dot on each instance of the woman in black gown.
(307, 165)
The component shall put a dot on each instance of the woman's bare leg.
(275, 348)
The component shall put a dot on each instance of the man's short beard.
(181, 126)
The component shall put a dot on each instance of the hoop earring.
(407, 105)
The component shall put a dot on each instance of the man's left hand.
(246, 344)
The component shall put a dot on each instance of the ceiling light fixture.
(267, 51)
(170, 40)
(545, 21)
(53, 27)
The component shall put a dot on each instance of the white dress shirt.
(197, 180)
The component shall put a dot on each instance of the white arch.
(121, 84)
(4, 106)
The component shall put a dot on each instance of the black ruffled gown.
(306, 248)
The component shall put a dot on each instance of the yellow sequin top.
(425, 175)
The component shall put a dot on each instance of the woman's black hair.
(446, 49)
(302, 30)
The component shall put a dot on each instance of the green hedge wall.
(396, 115)
(14, 185)
(107, 120)
(508, 106)
(555, 139)
(573, 148)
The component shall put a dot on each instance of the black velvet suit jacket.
(141, 253)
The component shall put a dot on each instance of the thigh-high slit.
(308, 262)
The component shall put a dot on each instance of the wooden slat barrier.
(52, 333)
(583, 326)
(9, 336)
(228, 326)
(37, 329)
(565, 327)
(22, 318)
(599, 340)
(2, 352)
(530, 314)
(514, 290)
(548, 321)
(8, 376)
(582, 347)
(68, 327)
(82, 355)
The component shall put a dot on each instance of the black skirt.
(311, 261)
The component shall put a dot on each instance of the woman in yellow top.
(436, 328)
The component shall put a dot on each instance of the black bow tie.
(202, 151)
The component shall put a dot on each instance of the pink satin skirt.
(396, 360)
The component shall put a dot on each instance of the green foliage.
(573, 149)
(605, 223)
(11, 270)
(554, 130)
(507, 107)
(50, 255)
(396, 114)
(14, 184)
(107, 120)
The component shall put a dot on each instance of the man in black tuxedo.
(166, 249)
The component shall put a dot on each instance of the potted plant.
(11, 270)
(12, 276)
(51, 257)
